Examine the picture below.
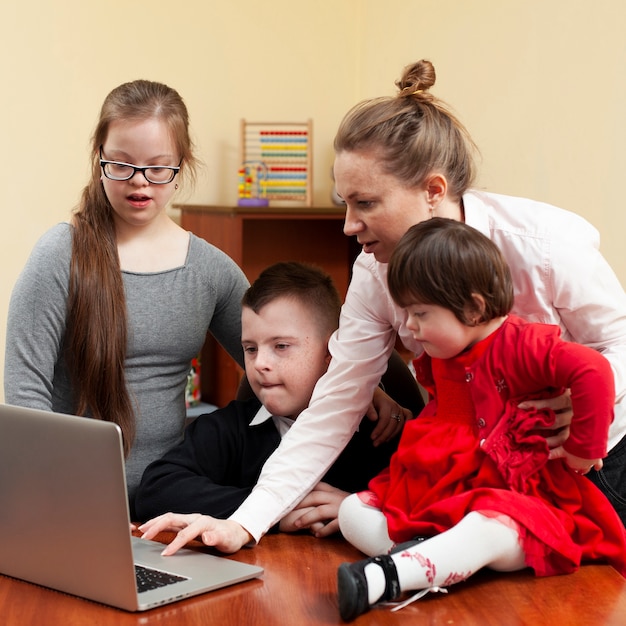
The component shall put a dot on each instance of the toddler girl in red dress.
(473, 483)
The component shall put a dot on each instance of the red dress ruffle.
(441, 472)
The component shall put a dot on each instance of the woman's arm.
(213, 469)
(592, 305)
(360, 351)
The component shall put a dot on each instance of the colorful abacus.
(252, 184)
(285, 148)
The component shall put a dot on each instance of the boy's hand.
(225, 535)
(318, 512)
(390, 415)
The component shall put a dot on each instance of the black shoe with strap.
(352, 583)
(352, 586)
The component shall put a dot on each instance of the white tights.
(364, 526)
(477, 541)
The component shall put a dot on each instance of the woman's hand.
(562, 407)
(225, 535)
(390, 415)
(318, 512)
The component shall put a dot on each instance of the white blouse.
(560, 278)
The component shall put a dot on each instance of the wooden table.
(298, 588)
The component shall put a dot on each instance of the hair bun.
(416, 78)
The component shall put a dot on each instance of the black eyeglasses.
(155, 174)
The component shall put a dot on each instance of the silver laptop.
(64, 518)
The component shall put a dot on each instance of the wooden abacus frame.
(286, 149)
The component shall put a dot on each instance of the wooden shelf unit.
(254, 239)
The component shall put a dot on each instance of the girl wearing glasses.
(112, 307)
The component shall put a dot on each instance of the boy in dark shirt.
(288, 316)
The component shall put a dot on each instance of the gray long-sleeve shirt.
(169, 314)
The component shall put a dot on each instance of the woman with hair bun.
(401, 160)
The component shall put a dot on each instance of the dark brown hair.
(413, 133)
(307, 284)
(445, 262)
(96, 334)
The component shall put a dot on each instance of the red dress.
(442, 471)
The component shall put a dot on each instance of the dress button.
(481, 423)
(469, 377)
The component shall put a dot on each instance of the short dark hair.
(444, 262)
(302, 282)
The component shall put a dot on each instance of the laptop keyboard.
(148, 579)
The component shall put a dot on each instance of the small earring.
(431, 210)
(176, 186)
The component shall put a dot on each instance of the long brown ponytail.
(96, 333)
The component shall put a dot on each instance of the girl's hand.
(578, 464)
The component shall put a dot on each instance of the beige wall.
(539, 83)
(541, 86)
